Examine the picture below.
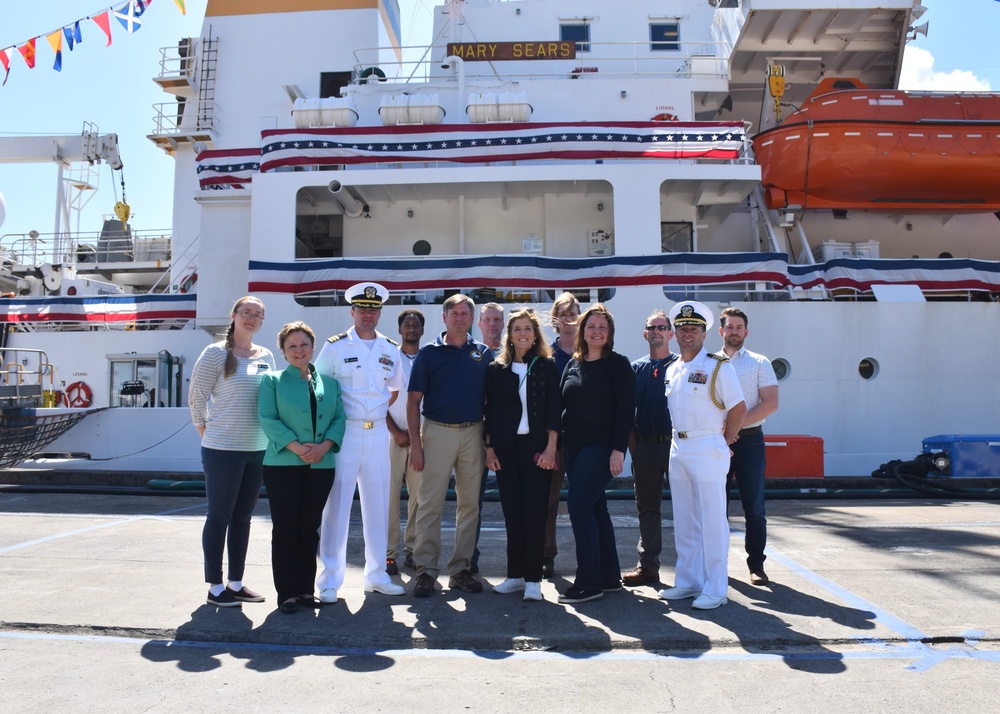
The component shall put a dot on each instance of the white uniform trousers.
(363, 461)
(698, 469)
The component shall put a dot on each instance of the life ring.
(369, 71)
(188, 282)
(78, 395)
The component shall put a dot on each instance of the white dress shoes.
(679, 593)
(328, 596)
(510, 585)
(707, 602)
(389, 588)
(532, 591)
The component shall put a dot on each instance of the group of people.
(373, 413)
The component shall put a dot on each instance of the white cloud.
(918, 74)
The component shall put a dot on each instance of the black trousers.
(297, 495)
(524, 496)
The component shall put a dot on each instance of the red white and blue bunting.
(477, 143)
(99, 309)
(227, 168)
(682, 269)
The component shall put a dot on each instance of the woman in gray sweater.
(225, 383)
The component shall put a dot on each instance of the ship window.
(868, 368)
(781, 368)
(145, 380)
(319, 224)
(578, 33)
(676, 237)
(664, 36)
(330, 83)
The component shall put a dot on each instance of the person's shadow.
(199, 641)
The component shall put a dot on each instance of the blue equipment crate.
(972, 455)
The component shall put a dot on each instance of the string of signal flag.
(128, 15)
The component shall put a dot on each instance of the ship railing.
(631, 59)
(185, 117)
(34, 249)
(27, 378)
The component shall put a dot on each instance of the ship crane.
(64, 150)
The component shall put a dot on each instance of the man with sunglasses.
(368, 366)
(650, 446)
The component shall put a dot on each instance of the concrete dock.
(898, 592)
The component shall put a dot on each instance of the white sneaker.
(389, 588)
(328, 596)
(510, 585)
(707, 602)
(679, 593)
(533, 591)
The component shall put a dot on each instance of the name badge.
(350, 359)
(257, 368)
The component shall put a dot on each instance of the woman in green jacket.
(302, 415)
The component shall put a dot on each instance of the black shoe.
(309, 601)
(464, 581)
(245, 594)
(390, 567)
(612, 587)
(408, 562)
(759, 577)
(223, 599)
(548, 568)
(575, 594)
(289, 607)
(424, 586)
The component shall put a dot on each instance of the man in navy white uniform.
(706, 410)
(760, 390)
(368, 366)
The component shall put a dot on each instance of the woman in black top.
(522, 423)
(598, 399)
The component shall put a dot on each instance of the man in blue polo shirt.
(449, 379)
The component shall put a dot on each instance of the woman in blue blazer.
(302, 415)
(522, 424)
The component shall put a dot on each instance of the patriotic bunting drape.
(501, 142)
(128, 14)
(681, 269)
(234, 168)
(100, 309)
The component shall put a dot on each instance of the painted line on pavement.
(78, 531)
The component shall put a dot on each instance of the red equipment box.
(793, 456)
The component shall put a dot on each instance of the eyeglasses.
(248, 315)
(661, 328)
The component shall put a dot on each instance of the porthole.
(781, 368)
(421, 247)
(868, 368)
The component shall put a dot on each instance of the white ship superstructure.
(537, 146)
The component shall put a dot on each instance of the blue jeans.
(589, 473)
(747, 468)
(232, 485)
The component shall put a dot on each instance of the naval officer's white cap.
(691, 312)
(366, 295)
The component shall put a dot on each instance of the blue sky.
(113, 88)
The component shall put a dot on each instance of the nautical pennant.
(104, 23)
(180, 6)
(55, 41)
(128, 15)
(27, 51)
(5, 60)
(73, 36)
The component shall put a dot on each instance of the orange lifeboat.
(851, 147)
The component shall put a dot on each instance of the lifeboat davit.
(851, 147)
